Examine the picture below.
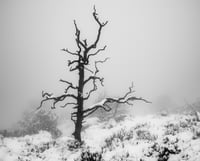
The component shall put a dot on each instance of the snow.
(174, 137)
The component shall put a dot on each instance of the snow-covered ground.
(175, 137)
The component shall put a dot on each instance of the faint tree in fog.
(75, 94)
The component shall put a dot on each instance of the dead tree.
(81, 63)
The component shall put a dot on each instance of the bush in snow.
(87, 155)
(196, 132)
(123, 157)
(73, 145)
(145, 135)
(172, 129)
(117, 139)
(162, 151)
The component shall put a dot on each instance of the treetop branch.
(95, 14)
(78, 40)
(101, 25)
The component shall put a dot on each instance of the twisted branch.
(101, 25)
(97, 62)
(91, 91)
(55, 99)
(71, 103)
(72, 53)
(99, 50)
(94, 78)
(78, 41)
(126, 99)
(74, 116)
(72, 62)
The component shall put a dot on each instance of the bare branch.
(71, 103)
(89, 70)
(41, 103)
(92, 109)
(45, 94)
(72, 53)
(97, 62)
(57, 99)
(99, 50)
(69, 83)
(126, 98)
(97, 19)
(85, 42)
(94, 78)
(78, 41)
(122, 100)
(73, 68)
(72, 62)
(74, 116)
(101, 25)
(91, 91)
(138, 99)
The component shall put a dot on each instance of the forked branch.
(70, 85)
(70, 52)
(97, 62)
(69, 104)
(104, 104)
(101, 25)
(78, 40)
(55, 100)
(91, 91)
(94, 78)
(99, 50)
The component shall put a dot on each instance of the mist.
(154, 44)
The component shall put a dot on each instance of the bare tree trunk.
(78, 123)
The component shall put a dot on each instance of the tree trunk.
(78, 123)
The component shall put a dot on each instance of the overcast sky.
(154, 43)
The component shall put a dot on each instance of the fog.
(155, 44)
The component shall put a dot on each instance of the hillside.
(174, 137)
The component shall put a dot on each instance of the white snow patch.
(134, 138)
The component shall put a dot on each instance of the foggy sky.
(154, 43)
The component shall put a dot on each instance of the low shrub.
(87, 155)
(117, 138)
(172, 129)
(162, 151)
(145, 135)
